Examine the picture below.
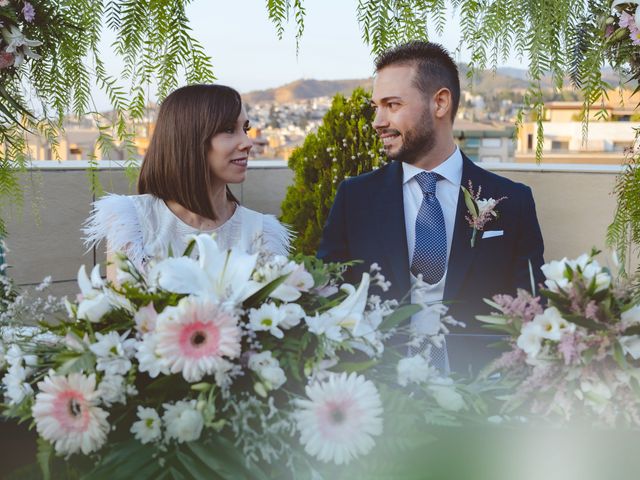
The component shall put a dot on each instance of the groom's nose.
(380, 119)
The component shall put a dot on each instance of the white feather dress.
(143, 227)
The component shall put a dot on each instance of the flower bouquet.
(224, 365)
(573, 359)
(622, 36)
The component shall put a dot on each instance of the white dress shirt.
(447, 191)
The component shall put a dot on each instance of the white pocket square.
(492, 233)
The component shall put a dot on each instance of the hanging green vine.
(560, 39)
(49, 62)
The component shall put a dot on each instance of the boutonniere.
(481, 210)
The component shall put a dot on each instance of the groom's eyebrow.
(386, 100)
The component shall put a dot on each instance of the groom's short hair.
(435, 68)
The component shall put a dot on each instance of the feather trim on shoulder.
(277, 237)
(115, 218)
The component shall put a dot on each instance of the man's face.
(403, 117)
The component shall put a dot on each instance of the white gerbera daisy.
(269, 317)
(340, 418)
(112, 389)
(66, 415)
(415, 369)
(147, 429)
(183, 421)
(194, 336)
(113, 352)
(148, 358)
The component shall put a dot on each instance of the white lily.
(221, 275)
(622, 2)
(95, 303)
(19, 45)
(351, 311)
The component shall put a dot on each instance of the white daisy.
(195, 335)
(66, 415)
(16, 388)
(147, 429)
(113, 352)
(268, 317)
(293, 314)
(183, 421)
(340, 419)
(112, 389)
(145, 319)
(268, 369)
(414, 369)
(148, 358)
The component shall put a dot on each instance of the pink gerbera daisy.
(194, 336)
(66, 415)
(340, 418)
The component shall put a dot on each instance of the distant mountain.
(484, 83)
(306, 89)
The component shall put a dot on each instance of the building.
(610, 131)
(485, 142)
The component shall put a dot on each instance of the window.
(559, 145)
(490, 158)
(492, 142)
(472, 143)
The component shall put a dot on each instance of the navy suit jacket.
(367, 223)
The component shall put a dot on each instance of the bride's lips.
(241, 162)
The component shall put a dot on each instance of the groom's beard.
(417, 142)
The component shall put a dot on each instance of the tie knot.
(427, 181)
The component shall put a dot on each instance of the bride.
(199, 146)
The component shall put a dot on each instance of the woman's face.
(229, 151)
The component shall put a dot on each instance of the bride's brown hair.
(175, 166)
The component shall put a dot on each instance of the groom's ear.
(442, 102)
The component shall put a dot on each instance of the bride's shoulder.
(120, 220)
(276, 236)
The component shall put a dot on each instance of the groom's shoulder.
(373, 177)
(499, 182)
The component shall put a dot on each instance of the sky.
(247, 55)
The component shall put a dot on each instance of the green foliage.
(624, 231)
(345, 145)
(154, 41)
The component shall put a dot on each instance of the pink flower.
(193, 337)
(6, 59)
(339, 420)
(28, 12)
(635, 36)
(66, 415)
(626, 20)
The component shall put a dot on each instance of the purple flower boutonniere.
(481, 210)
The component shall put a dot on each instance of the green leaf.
(261, 295)
(350, 367)
(222, 457)
(45, 449)
(633, 330)
(84, 362)
(399, 316)
(195, 468)
(189, 249)
(585, 322)
(618, 355)
(470, 202)
(493, 319)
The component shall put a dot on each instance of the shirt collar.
(450, 169)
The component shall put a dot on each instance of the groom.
(410, 215)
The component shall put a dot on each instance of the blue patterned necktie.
(430, 252)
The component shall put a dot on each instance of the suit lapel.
(462, 255)
(390, 223)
